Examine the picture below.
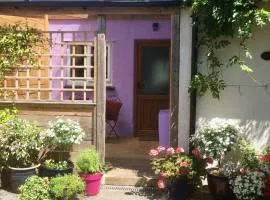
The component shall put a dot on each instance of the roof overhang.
(94, 3)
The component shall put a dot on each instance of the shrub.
(66, 187)
(19, 142)
(215, 142)
(35, 188)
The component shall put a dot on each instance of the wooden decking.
(130, 159)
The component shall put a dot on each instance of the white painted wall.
(247, 104)
(185, 76)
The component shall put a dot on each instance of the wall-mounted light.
(155, 26)
(265, 55)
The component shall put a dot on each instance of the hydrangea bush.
(63, 132)
(61, 135)
(215, 142)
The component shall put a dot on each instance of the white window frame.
(88, 54)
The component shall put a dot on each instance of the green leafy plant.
(88, 162)
(215, 142)
(35, 188)
(51, 164)
(18, 46)
(248, 154)
(19, 142)
(7, 114)
(217, 23)
(66, 187)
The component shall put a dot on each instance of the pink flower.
(183, 171)
(209, 160)
(164, 174)
(180, 150)
(160, 148)
(161, 184)
(153, 152)
(185, 164)
(242, 170)
(170, 151)
(196, 153)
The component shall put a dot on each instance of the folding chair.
(113, 106)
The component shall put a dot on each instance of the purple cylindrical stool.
(163, 128)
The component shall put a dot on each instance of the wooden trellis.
(56, 77)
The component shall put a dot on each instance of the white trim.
(88, 66)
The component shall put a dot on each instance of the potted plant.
(20, 146)
(51, 168)
(35, 188)
(60, 135)
(91, 170)
(264, 166)
(176, 170)
(66, 187)
(215, 143)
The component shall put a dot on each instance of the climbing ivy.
(18, 46)
(218, 21)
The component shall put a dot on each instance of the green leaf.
(245, 68)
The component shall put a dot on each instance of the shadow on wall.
(254, 130)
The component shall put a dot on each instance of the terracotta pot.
(92, 183)
(266, 190)
(219, 186)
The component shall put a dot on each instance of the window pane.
(78, 59)
(155, 70)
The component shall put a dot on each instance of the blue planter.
(178, 189)
(18, 176)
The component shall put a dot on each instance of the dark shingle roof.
(89, 2)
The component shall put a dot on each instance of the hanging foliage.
(218, 21)
(18, 46)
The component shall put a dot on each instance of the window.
(81, 62)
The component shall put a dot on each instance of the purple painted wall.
(121, 33)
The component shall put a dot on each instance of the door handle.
(139, 85)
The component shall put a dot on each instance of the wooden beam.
(40, 11)
(100, 93)
(174, 79)
(114, 16)
(101, 24)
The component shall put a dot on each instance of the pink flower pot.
(92, 183)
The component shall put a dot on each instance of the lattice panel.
(64, 72)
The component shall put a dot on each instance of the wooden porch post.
(174, 78)
(180, 76)
(100, 93)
